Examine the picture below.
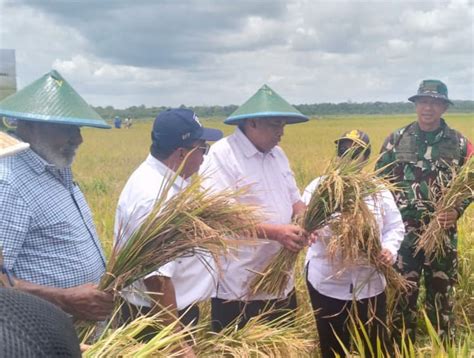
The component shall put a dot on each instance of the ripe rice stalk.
(193, 221)
(355, 241)
(434, 238)
(282, 337)
(338, 202)
(275, 277)
(170, 340)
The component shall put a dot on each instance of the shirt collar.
(439, 133)
(165, 171)
(35, 161)
(247, 147)
(40, 165)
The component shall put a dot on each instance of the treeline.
(313, 110)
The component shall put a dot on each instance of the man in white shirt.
(177, 135)
(335, 288)
(251, 158)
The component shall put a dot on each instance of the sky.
(203, 52)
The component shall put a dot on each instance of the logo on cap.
(354, 134)
(195, 117)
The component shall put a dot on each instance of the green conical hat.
(266, 103)
(51, 99)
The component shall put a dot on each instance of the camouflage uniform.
(419, 162)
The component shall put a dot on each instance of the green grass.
(108, 157)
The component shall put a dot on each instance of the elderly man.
(178, 139)
(419, 158)
(50, 245)
(251, 157)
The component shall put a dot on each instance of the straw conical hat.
(10, 145)
(51, 99)
(266, 103)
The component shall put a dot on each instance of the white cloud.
(207, 52)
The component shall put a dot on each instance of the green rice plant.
(285, 336)
(464, 289)
(435, 348)
(434, 238)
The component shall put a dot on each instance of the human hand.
(312, 237)
(386, 257)
(447, 218)
(292, 237)
(87, 302)
(84, 347)
(188, 352)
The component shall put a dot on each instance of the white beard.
(53, 157)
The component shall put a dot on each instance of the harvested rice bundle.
(192, 221)
(434, 238)
(275, 276)
(356, 239)
(284, 337)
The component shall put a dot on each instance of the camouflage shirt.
(420, 163)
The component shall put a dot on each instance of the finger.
(103, 296)
(292, 246)
(84, 347)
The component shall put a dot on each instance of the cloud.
(219, 52)
(165, 34)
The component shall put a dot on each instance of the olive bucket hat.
(51, 99)
(266, 103)
(432, 88)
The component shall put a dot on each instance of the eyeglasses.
(204, 148)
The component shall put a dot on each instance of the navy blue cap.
(179, 127)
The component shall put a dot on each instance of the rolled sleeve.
(167, 270)
(14, 223)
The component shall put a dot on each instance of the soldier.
(419, 158)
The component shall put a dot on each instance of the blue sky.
(204, 52)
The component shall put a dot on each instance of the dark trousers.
(225, 313)
(129, 312)
(440, 276)
(332, 320)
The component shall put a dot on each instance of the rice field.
(107, 158)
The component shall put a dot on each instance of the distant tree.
(315, 109)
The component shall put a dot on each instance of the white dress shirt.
(192, 279)
(234, 162)
(343, 282)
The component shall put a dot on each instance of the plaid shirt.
(46, 226)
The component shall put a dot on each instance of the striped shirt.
(46, 227)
